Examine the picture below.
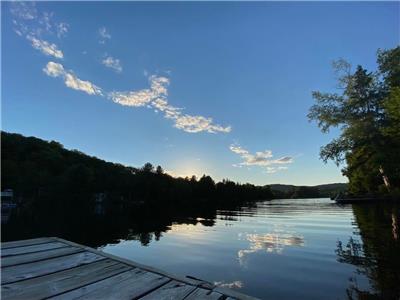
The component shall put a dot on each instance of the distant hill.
(322, 190)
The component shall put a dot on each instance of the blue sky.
(197, 87)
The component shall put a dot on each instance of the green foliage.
(47, 176)
(367, 111)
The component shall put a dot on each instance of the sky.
(217, 88)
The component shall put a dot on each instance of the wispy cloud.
(33, 25)
(104, 35)
(113, 63)
(28, 20)
(24, 10)
(155, 97)
(46, 21)
(45, 47)
(262, 159)
(70, 79)
(62, 29)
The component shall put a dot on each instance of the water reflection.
(377, 254)
(270, 242)
(237, 284)
(281, 249)
(144, 224)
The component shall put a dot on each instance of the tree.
(148, 168)
(367, 113)
(159, 170)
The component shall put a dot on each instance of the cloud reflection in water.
(270, 242)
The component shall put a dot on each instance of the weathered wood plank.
(128, 285)
(173, 290)
(40, 268)
(111, 277)
(203, 294)
(233, 294)
(32, 248)
(189, 280)
(38, 256)
(61, 282)
(25, 242)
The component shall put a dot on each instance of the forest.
(366, 110)
(45, 172)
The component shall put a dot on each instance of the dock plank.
(31, 248)
(232, 294)
(59, 269)
(38, 256)
(61, 282)
(203, 294)
(173, 290)
(25, 242)
(128, 285)
(187, 279)
(40, 268)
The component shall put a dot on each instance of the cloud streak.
(45, 47)
(112, 63)
(24, 10)
(262, 159)
(155, 97)
(30, 23)
(71, 80)
(62, 29)
(104, 35)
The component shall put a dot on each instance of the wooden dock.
(53, 268)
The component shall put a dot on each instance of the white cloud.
(77, 84)
(156, 97)
(113, 63)
(71, 80)
(62, 29)
(45, 47)
(271, 170)
(54, 69)
(137, 99)
(104, 35)
(29, 21)
(195, 124)
(261, 159)
(46, 20)
(24, 10)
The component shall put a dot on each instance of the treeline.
(367, 111)
(299, 192)
(287, 191)
(46, 174)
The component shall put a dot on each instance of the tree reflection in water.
(377, 255)
(145, 224)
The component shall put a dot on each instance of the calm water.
(283, 249)
(280, 249)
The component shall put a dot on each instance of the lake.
(279, 249)
(282, 249)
